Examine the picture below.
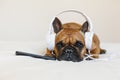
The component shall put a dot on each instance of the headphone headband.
(83, 14)
(88, 35)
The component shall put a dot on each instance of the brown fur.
(70, 33)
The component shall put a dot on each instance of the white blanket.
(26, 68)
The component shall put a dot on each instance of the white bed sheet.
(26, 68)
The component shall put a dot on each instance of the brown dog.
(70, 42)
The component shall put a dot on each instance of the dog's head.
(69, 40)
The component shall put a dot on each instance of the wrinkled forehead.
(68, 35)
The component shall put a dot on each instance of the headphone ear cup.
(88, 39)
(51, 41)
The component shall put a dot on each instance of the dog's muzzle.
(69, 53)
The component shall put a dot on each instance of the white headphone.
(88, 35)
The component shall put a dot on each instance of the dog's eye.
(78, 44)
(59, 45)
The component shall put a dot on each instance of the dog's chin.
(74, 59)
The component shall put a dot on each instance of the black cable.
(19, 53)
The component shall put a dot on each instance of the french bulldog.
(70, 42)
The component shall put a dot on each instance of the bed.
(26, 68)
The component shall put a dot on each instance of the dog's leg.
(48, 53)
(95, 52)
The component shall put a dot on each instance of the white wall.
(28, 20)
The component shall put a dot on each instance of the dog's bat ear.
(57, 25)
(85, 27)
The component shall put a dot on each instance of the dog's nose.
(69, 51)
